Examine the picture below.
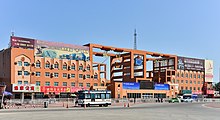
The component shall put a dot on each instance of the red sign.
(210, 92)
(197, 92)
(23, 88)
(22, 42)
(57, 89)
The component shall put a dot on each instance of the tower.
(135, 39)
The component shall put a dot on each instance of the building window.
(194, 82)
(19, 63)
(56, 75)
(26, 64)
(47, 83)
(95, 84)
(198, 88)
(64, 75)
(56, 65)
(64, 83)
(177, 81)
(178, 74)
(190, 81)
(56, 83)
(87, 76)
(73, 67)
(80, 84)
(190, 88)
(198, 76)
(186, 88)
(182, 81)
(202, 76)
(19, 72)
(26, 73)
(38, 64)
(37, 83)
(194, 88)
(47, 74)
(25, 82)
(96, 76)
(190, 75)
(88, 67)
(80, 75)
(72, 75)
(37, 73)
(198, 82)
(87, 84)
(181, 88)
(182, 75)
(186, 81)
(19, 82)
(186, 75)
(73, 84)
(64, 66)
(81, 67)
(195, 76)
(47, 65)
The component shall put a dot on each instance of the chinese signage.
(23, 88)
(190, 64)
(161, 87)
(58, 89)
(208, 71)
(61, 50)
(131, 85)
(22, 42)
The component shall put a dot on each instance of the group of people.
(159, 99)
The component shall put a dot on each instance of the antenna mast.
(135, 39)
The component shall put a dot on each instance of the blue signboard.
(161, 87)
(138, 61)
(131, 85)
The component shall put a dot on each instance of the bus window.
(108, 96)
(98, 96)
(87, 96)
(103, 96)
(81, 96)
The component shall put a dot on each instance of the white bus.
(88, 98)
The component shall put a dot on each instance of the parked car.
(173, 100)
(188, 100)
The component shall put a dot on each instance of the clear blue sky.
(183, 27)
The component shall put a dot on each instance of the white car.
(188, 100)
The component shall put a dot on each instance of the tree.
(217, 86)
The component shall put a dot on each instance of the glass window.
(186, 88)
(64, 74)
(80, 75)
(95, 76)
(73, 67)
(25, 82)
(37, 83)
(194, 75)
(181, 81)
(37, 73)
(186, 81)
(56, 65)
(56, 83)
(95, 84)
(87, 84)
(64, 83)
(19, 63)
(190, 75)
(26, 64)
(47, 74)
(181, 88)
(26, 73)
(97, 96)
(87, 96)
(19, 72)
(47, 65)
(194, 88)
(178, 74)
(177, 81)
(81, 67)
(198, 75)
(103, 96)
(73, 84)
(198, 88)
(56, 75)
(64, 66)
(88, 67)
(80, 84)
(198, 82)
(72, 75)
(19, 82)
(186, 75)
(194, 82)
(190, 88)
(87, 76)
(37, 64)
(108, 96)
(182, 75)
(47, 83)
(190, 81)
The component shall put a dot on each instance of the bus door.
(92, 97)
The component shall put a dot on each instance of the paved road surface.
(181, 111)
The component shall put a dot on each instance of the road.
(152, 111)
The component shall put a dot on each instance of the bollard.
(124, 104)
(84, 106)
(128, 105)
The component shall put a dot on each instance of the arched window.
(81, 67)
(73, 67)
(88, 67)
(64, 66)
(47, 65)
(56, 65)
(38, 64)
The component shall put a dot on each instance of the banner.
(208, 71)
(23, 88)
(161, 87)
(193, 64)
(131, 85)
(61, 50)
(19, 42)
(58, 89)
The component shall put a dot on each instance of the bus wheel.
(82, 105)
(106, 105)
(100, 105)
(88, 105)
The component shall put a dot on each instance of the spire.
(135, 39)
